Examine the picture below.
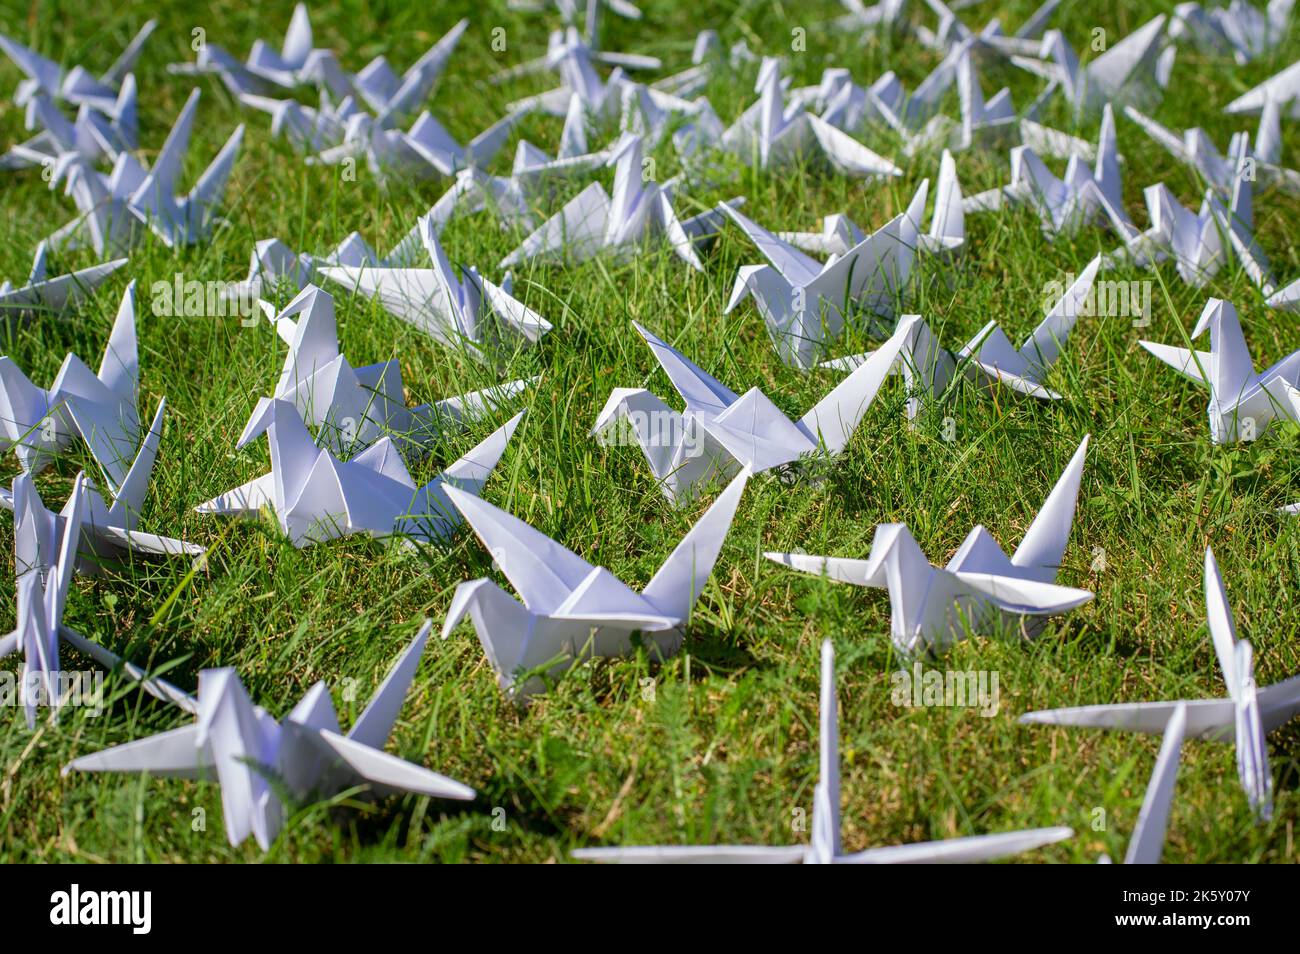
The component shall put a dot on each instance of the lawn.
(717, 744)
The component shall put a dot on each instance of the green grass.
(726, 749)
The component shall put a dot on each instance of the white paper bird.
(466, 313)
(989, 356)
(720, 432)
(574, 59)
(256, 757)
(931, 606)
(351, 408)
(1245, 717)
(39, 423)
(572, 610)
(109, 533)
(777, 137)
(825, 846)
(1243, 403)
(78, 85)
(115, 210)
(1128, 71)
(1240, 28)
(90, 137)
(45, 556)
(317, 497)
(638, 212)
(41, 294)
(806, 303)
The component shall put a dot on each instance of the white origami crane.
(638, 212)
(1198, 242)
(113, 209)
(719, 432)
(309, 129)
(1243, 403)
(107, 533)
(574, 58)
(947, 232)
(266, 68)
(1064, 205)
(534, 168)
(1245, 717)
(881, 15)
(1129, 71)
(77, 85)
(1148, 841)
(825, 846)
(805, 303)
(952, 32)
(256, 757)
(1283, 89)
(92, 135)
(1195, 149)
(317, 497)
(935, 606)
(41, 294)
(777, 136)
(572, 610)
(45, 555)
(1239, 28)
(351, 408)
(424, 151)
(469, 312)
(989, 356)
(101, 408)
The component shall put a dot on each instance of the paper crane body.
(108, 532)
(637, 212)
(317, 497)
(247, 750)
(116, 210)
(1243, 403)
(825, 846)
(570, 608)
(805, 303)
(77, 85)
(45, 555)
(455, 312)
(42, 294)
(931, 605)
(351, 408)
(1245, 717)
(100, 408)
(989, 356)
(778, 136)
(91, 136)
(720, 432)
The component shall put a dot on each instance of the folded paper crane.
(1243, 403)
(107, 532)
(317, 497)
(469, 312)
(825, 846)
(1245, 717)
(41, 294)
(351, 408)
(989, 356)
(1283, 89)
(778, 136)
(101, 408)
(45, 556)
(256, 757)
(805, 303)
(933, 606)
(77, 85)
(638, 211)
(114, 210)
(92, 135)
(572, 610)
(721, 432)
